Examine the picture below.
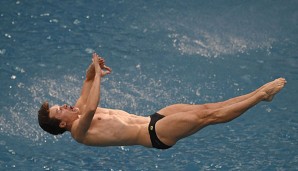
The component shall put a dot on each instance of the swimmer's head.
(50, 125)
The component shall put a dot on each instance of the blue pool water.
(161, 52)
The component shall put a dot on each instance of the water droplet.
(7, 35)
(12, 152)
(13, 77)
(76, 22)
(54, 20)
(45, 14)
(268, 110)
(89, 50)
(2, 51)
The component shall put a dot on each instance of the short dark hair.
(50, 125)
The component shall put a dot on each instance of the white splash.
(213, 45)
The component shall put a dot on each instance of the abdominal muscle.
(117, 128)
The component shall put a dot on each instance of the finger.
(107, 68)
(95, 61)
(106, 72)
(94, 55)
(101, 61)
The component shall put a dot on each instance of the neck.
(69, 124)
(68, 128)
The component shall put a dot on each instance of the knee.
(205, 106)
(211, 116)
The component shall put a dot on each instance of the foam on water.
(212, 46)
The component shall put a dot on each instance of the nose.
(64, 106)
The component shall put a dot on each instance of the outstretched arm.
(92, 101)
(90, 73)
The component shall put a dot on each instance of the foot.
(272, 88)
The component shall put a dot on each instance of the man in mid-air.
(96, 126)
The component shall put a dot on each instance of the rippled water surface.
(161, 52)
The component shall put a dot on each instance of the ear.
(62, 124)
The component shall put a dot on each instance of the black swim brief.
(156, 143)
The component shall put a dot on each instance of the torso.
(116, 128)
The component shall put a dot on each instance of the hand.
(105, 71)
(100, 66)
(95, 60)
(101, 62)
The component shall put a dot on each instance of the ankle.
(263, 95)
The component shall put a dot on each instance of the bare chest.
(115, 129)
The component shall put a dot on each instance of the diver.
(93, 125)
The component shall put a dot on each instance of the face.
(64, 113)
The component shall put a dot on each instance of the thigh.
(179, 108)
(174, 127)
